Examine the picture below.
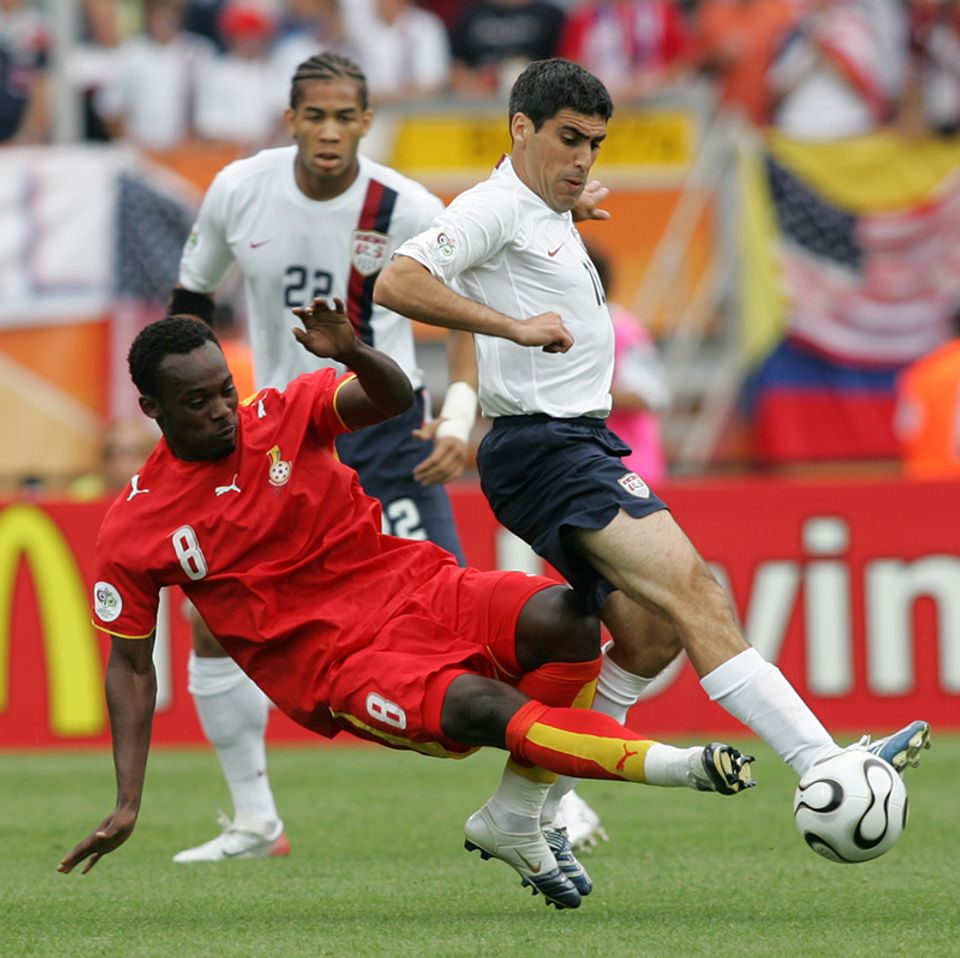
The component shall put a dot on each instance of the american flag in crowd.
(152, 222)
(151, 229)
(876, 288)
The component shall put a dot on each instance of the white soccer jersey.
(291, 249)
(500, 244)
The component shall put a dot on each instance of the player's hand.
(588, 206)
(111, 833)
(546, 330)
(446, 462)
(327, 333)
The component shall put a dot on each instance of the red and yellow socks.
(576, 742)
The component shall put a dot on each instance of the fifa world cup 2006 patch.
(443, 247)
(635, 485)
(107, 603)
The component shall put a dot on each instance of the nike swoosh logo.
(535, 868)
(553, 252)
(261, 243)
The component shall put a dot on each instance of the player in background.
(345, 628)
(317, 219)
(550, 468)
(927, 421)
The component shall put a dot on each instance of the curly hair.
(172, 335)
(327, 66)
(547, 86)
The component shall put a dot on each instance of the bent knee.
(555, 626)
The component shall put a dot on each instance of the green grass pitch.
(378, 867)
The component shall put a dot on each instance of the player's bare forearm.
(462, 358)
(131, 695)
(409, 288)
(381, 389)
(383, 383)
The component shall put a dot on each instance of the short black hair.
(327, 66)
(172, 335)
(547, 86)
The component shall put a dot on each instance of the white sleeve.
(206, 255)
(473, 229)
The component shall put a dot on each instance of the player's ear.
(366, 119)
(520, 127)
(288, 115)
(149, 407)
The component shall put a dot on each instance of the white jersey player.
(316, 220)
(291, 248)
(500, 243)
(505, 268)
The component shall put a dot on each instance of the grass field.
(378, 868)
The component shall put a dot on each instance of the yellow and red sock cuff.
(562, 683)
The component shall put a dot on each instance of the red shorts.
(461, 621)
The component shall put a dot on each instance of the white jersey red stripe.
(291, 248)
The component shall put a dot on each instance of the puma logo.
(135, 489)
(626, 754)
(261, 410)
(233, 487)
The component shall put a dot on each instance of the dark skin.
(196, 407)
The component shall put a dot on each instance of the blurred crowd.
(163, 72)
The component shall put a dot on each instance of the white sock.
(617, 692)
(233, 714)
(756, 692)
(668, 766)
(517, 803)
(617, 689)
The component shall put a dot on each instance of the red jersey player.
(246, 507)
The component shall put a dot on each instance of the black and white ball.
(851, 807)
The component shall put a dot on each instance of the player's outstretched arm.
(381, 389)
(131, 696)
(410, 289)
(450, 431)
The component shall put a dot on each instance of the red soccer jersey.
(276, 544)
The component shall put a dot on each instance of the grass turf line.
(378, 867)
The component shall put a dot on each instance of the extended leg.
(233, 714)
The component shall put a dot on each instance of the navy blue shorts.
(545, 476)
(384, 457)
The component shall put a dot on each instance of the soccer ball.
(851, 807)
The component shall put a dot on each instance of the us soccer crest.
(635, 485)
(368, 251)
